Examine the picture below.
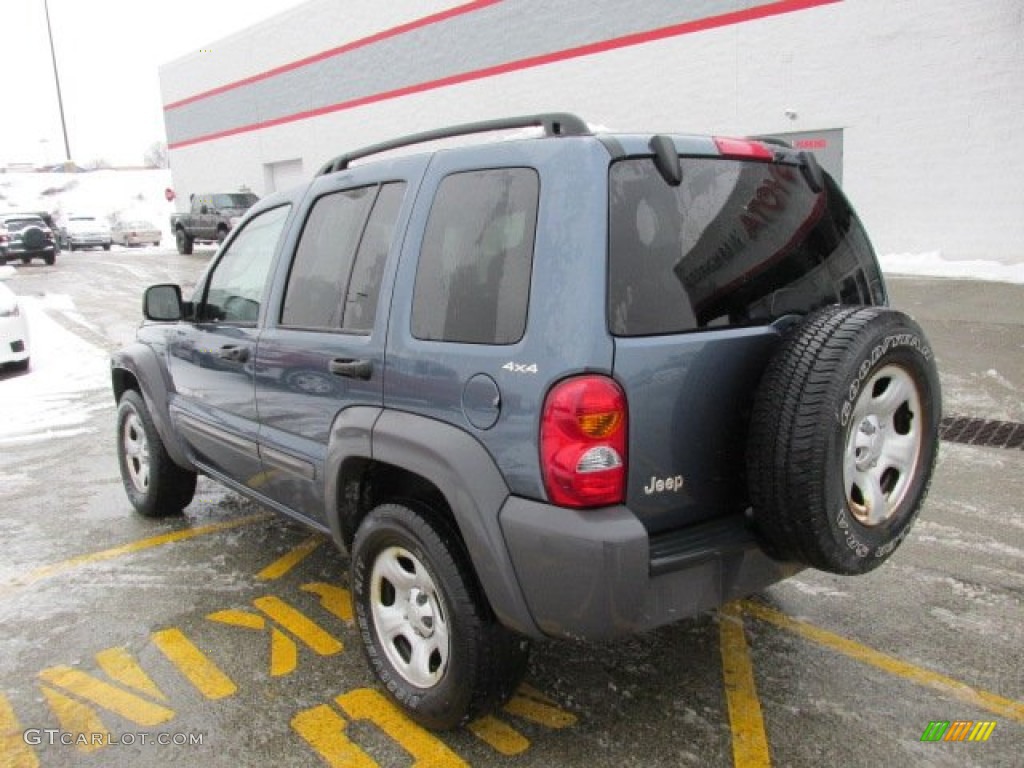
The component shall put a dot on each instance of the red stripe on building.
(590, 49)
(426, 21)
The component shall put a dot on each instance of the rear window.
(16, 225)
(737, 243)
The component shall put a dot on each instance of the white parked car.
(82, 231)
(14, 349)
(135, 232)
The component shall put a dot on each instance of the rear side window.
(473, 276)
(368, 270)
(324, 257)
(339, 263)
(737, 243)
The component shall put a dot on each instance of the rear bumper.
(595, 574)
(88, 240)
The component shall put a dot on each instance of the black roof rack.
(553, 123)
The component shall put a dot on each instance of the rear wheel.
(427, 630)
(26, 259)
(844, 436)
(50, 258)
(155, 485)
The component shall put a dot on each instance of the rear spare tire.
(33, 239)
(843, 439)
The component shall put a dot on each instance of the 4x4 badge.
(519, 367)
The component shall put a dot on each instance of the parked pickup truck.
(211, 218)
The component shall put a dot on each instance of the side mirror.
(162, 303)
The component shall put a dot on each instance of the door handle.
(234, 353)
(352, 369)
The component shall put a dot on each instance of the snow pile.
(62, 388)
(110, 195)
(932, 264)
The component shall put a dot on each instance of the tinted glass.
(473, 277)
(234, 200)
(235, 288)
(323, 259)
(737, 243)
(368, 271)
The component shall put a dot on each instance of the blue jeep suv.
(578, 385)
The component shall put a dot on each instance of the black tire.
(156, 486)
(106, 246)
(850, 388)
(71, 247)
(50, 258)
(485, 661)
(33, 238)
(183, 242)
(222, 234)
(26, 259)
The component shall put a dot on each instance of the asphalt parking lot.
(224, 638)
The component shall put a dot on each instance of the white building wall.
(927, 92)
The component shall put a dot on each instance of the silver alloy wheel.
(883, 445)
(136, 451)
(409, 617)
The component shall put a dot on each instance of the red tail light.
(743, 149)
(583, 434)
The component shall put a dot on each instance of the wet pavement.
(226, 633)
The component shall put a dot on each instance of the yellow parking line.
(195, 665)
(46, 571)
(289, 560)
(499, 736)
(14, 751)
(749, 743)
(947, 685)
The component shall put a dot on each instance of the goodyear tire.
(155, 485)
(428, 633)
(844, 436)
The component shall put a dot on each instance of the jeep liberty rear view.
(577, 385)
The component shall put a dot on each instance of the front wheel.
(155, 485)
(428, 632)
(183, 242)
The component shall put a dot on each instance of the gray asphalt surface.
(114, 624)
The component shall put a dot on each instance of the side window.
(473, 276)
(323, 259)
(368, 270)
(235, 288)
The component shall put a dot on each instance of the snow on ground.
(932, 264)
(58, 394)
(111, 195)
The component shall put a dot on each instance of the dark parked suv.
(575, 385)
(28, 237)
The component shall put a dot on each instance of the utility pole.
(56, 79)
